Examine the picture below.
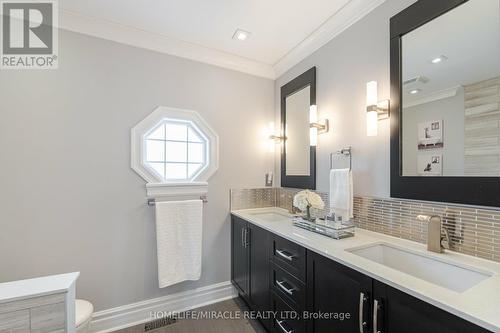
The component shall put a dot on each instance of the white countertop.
(42, 286)
(479, 304)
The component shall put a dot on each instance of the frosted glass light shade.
(372, 123)
(371, 93)
(313, 131)
(313, 114)
(313, 136)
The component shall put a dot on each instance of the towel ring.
(345, 152)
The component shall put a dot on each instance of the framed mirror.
(298, 157)
(445, 92)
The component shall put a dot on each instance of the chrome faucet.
(294, 210)
(435, 242)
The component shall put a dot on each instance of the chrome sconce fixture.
(271, 134)
(375, 110)
(316, 126)
(276, 138)
(273, 139)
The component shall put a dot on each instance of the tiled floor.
(241, 325)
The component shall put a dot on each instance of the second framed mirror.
(298, 154)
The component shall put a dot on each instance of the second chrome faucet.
(435, 241)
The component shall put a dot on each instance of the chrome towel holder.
(152, 202)
(346, 152)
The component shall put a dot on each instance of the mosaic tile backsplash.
(253, 198)
(473, 230)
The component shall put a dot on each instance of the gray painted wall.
(344, 66)
(451, 111)
(68, 198)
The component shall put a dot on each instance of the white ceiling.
(278, 28)
(468, 35)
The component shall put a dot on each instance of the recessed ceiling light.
(415, 91)
(439, 59)
(241, 34)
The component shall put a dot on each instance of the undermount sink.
(442, 273)
(270, 216)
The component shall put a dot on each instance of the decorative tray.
(335, 230)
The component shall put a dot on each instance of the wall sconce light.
(316, 127)
(273, 137)
(375, 110)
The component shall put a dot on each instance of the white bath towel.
(179, 240)
(341, 193)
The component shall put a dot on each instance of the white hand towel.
(179, 240)
(341, 193)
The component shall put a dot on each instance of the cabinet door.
(259, 269)
(338, 292)
(400, 312)
(240, 256)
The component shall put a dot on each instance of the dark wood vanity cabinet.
(259, 269)
(372, 306)
(336, 290)
(250, 264)
(274, 274)
(287, 284)
(400, 312)
(240, 256)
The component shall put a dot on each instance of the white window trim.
(157, 187)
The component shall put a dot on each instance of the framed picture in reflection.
(430, 164)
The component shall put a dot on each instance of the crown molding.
(349, 14)
(76, 22)
(434, 96)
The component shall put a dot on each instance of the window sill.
(176, 190)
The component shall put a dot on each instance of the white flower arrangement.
(307, 199)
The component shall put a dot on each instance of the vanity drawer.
(288, 287)
(287, 320)
(290, 256)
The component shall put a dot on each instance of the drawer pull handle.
(280, 324)
(282, 286)
(285, 255)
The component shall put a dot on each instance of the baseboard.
(137, 313)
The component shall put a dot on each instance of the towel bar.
(152, 202)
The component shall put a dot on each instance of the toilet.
(83, 315)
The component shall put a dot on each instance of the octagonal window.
(174, 146)
(176, 150)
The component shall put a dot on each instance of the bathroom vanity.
(367, 283)
(41, 305)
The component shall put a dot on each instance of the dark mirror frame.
(306, 182)
(484, 191)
